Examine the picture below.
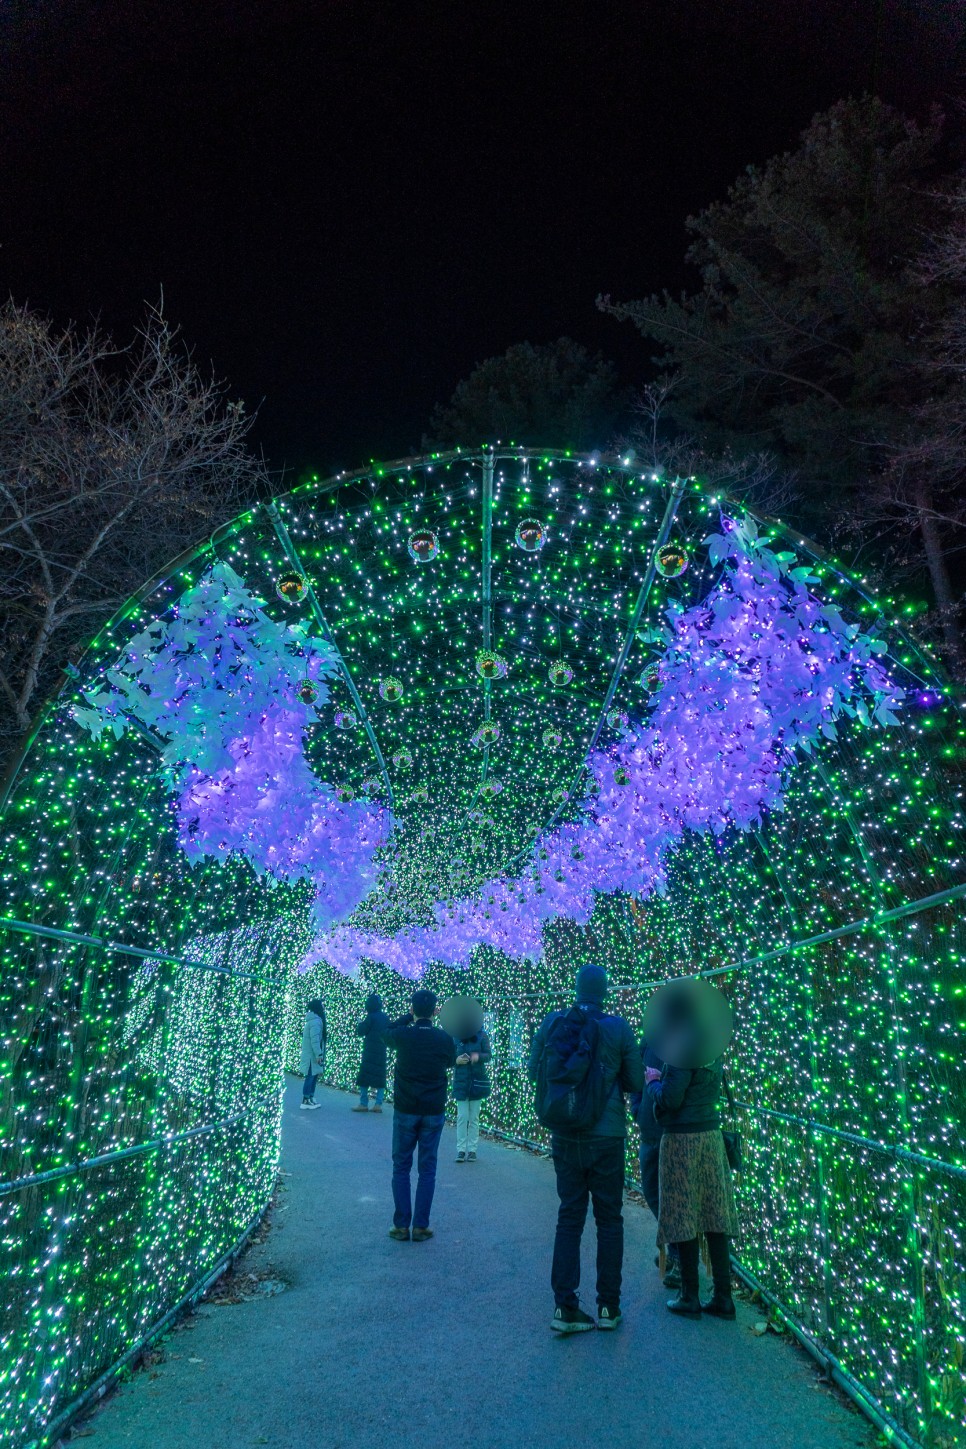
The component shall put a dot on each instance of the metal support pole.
(289, 550)
(487, 611)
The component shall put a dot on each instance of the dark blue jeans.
(588, 1170)
(308, 1086)
(408, 1132)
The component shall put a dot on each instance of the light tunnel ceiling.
(480, 666)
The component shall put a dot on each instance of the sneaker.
(608, 1317)
(376, 1108)
(720, 1305)
(310, 1106)
(421, 1234)
(400, 1234)
(672, 1278)
(571, 1320)
(461, 1157)
(359, 1108)
(471, 1157)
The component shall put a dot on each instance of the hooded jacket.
(471, 1082)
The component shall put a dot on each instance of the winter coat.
(313, 1044)
(470, 1081)
(623, 1068)
(687, 1101)
(372, 1068)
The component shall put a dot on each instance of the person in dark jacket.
(652, 1130)
(372, 1068)
(471, 1084)
(424, 1054)
(695, 1192)
(590, 1166)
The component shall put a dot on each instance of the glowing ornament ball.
(530, 535)
(487, 734)
(650, 678)
(292, 587)
(552, 738)
(390, 690)
(421, 794)
(345, 719)
(490, 665)
(423, 546)
(492, 787)
(307, 691)
(671, 561)
(560, 674)
(343, 794)
(618, 720)
(402, 760)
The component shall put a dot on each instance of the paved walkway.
(384, 1345)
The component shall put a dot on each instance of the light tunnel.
(478, 718)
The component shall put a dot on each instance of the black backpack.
(571, 1087)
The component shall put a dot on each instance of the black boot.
(687, 1304)
(721, 1303)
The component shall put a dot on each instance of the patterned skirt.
(695, 1187)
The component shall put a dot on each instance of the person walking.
(695, 1191)
(314, 1037)
(589, 1161)
(372, 1068)
(471, 1085)
(424, 1054)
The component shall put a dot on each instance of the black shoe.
(400, 1234)
(608, 1316)
(672, 1278)
(471, 1157)
(421, 1234)
(461, 1157)
(720, 1305)
(571, 1320)
(687, 1305)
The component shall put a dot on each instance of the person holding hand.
(471, 1085)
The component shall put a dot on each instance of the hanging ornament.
(621, 776)
(423, 545)
(670, 561)
(291, 588)
(390, 690)
(421, 794)
(402, 760)
(343, 794)
(650, 678)
(345, 719)
(560, 674)
(552, 738)
(492, 787)
(371, 786)
(530, 535)
(307, 691)
(490, 665)
(487, 734)
(617, 719)
(560, 796)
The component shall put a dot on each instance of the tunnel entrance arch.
(486, 712)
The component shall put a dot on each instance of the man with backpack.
(582, 1062)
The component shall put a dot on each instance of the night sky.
(348, 205)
